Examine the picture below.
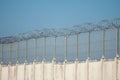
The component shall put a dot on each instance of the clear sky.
(18, 16)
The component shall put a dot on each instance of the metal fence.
(80, 42)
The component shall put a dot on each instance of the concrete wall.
(89, 70)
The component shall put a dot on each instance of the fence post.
(103, 44)
(44, 58)
(117, 42)
(35, 54)
(87, 62)
(2, 47)
(44, 53)
(26, 54)
(88, 45)
(17, 52)
(54, 57)
(54, 53)
(77, 47)
(35, 49)
(10, 53)
(66, 48)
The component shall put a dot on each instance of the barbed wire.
(76, 29)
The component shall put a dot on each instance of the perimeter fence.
(86, 41)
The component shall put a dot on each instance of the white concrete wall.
(58, 72)
(101, 70)
(20, 72)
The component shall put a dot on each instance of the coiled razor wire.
(87, 27)
(65, 32)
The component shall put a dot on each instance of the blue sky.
(27, 15)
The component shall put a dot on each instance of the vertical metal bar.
(54, 54)
(10, 54)
(65, 48)
(0, 53)
(117, 42)
(35, 50)
(44, 54)
(88, 45)
(17, 51)
(26, 55)
(2, 50)
(103, 44)
(77, 47)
